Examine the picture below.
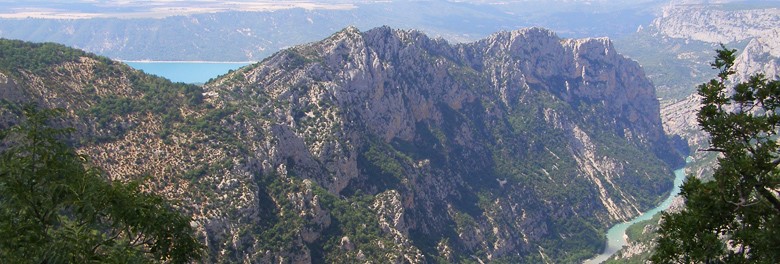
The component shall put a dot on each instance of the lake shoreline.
(187, 71)
(204, 62)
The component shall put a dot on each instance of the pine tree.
(734, 218)
(55, 208)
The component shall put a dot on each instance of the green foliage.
(161, 97)
(673, 65)
(214, 122)
(281, 224)
(34, 57)
(158, 96)
(56, 209)
(295, 59)
(550, 160)
(352, 218)
(735, 218)
(636, 232)
(382, 165)
(278, 233)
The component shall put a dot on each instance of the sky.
(82, 9)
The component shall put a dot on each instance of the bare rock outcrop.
(422, 124)
(384, 146)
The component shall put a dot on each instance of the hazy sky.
(75, 9)
(79, 9)
(152, 8)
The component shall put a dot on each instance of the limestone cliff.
(691, 31)
(758, 57)
(717, 23)
(383, 146)
(472, 136)
(720, 23)
(752, 28)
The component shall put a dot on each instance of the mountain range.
(377, 146)
(194, 32)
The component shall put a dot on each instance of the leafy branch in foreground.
(55, 208)
(734, 218)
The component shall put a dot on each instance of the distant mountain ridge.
(255, 35)
(720, 23)
(382, 146)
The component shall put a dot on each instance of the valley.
(471, 135)
(616, 235)
(277, 142)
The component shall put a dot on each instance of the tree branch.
(769, 197)
(712, 149)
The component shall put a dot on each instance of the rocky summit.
(378, 146)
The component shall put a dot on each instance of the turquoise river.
(616, 236)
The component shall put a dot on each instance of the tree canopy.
(734, 218)
(56, 208)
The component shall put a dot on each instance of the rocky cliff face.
(387, 146)
(696, 28)
(719, 23)
(676, 49)
(750, 27)
(474, 138)
(759, 56)
(680, 116)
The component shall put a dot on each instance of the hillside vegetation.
(381, 146)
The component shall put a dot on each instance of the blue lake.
(184, 71)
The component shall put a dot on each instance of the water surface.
(616, 235)
(186, 71)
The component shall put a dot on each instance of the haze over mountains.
(448, 142)
(254, 35)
